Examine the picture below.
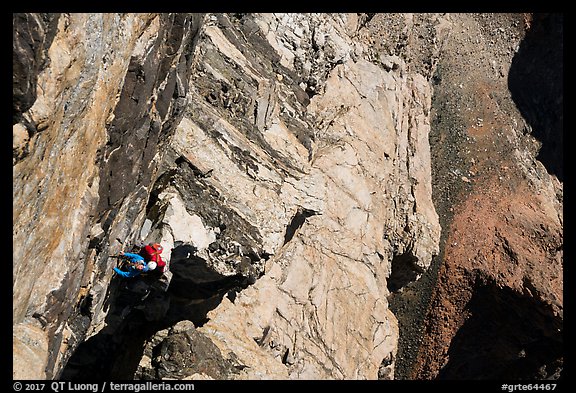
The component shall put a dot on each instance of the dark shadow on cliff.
(140, 307)
(105, 355)
(506, 336)
(194, 279)
(536, 82)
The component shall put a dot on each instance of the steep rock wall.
(283, 162)
(326, 155)
(316, 152)
(105, 87)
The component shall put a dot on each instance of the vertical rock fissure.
(412, 303)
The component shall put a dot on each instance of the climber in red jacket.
(151, 252)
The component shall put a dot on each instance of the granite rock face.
(335, 181)
(93, 95)
(282, 160)
(289, 151)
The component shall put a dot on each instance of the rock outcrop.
(282, 160)
(334, 183)
(94, 99)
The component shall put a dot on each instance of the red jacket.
(151, 252)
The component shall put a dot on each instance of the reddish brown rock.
(497, 308)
